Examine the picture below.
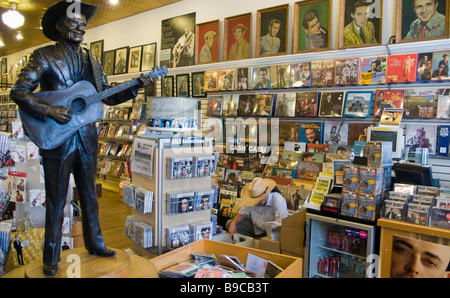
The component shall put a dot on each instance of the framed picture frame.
(4, 66)
(409, 20)
(312, 23)
(167, 84)
(96, 48)
(109, 58)
(271, 31)
(148, 56)
(358, 104)
(211, 81)
(178, 41)
(134, 59)
(121, 61)
(182, 83)
(365, 15)
(198, 84)
(237, 37)
(207, 37)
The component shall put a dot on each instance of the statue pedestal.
(79, 263)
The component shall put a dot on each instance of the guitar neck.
(111, 91)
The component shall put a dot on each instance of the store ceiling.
(33, 10)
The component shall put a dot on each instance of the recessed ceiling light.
(19, 36)
(114, 2)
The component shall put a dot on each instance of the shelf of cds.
(179, 177)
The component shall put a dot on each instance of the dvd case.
(394, 210)
(201, 230)
(418, 214)
(205, 199)
(178, 236)
(178, 203)
(180, 167)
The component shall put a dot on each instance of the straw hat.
(58, 10)
(255, 191)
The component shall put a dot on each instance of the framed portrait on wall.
(198, 84)
(237, 37)
(207, 37)
(148, 56)
(4, 66)
(183, 85)
(178, 41)
(360, 23)
(422, 20)
(96, 48)
(167, 86)
(121, 61)
(134, 59)
(108, 62)
(312, 22)
(271, 31)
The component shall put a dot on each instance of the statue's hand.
(60, 114)
(144, 81)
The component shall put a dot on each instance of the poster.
(142, 161)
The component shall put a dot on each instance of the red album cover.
(390, 99)
(401, 68)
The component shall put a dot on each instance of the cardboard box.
(77, 229)
(293, 233)
(268, 244)
(292, 266)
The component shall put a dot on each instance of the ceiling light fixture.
(1, 43)
(19, 36)
(13, 18)
(113, 2)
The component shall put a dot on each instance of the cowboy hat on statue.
(262, 203)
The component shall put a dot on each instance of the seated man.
(262, 203)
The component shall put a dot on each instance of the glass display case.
(336, 248)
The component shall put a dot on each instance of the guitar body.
(50, 134)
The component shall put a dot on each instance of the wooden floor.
(112, 214)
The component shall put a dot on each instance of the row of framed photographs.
(359, 25)
(123, 60)
(417, 104)
(384, 69)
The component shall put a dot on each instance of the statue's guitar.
(86, 107)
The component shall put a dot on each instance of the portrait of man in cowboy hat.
(57, 67)
(262, 203)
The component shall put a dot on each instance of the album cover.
(289, 132)
(358, 104)
(418, 214)
(298, 195)
(307, 104)
(178, 203)
(314, 157)
(291, 155)
(214, 108)
(203, 166)
(283, 173)
(356, 131)
(338, 170)
(246, 103)
(233, 176)
(261, 77)
(444, 140)
(372, 70)
(230, 104)
(201, 230)
(331, 104)
(226, 79)
(317, 148)
(242, 80)
(346, 72)
(421, 136)
(392, 99)
(443, 106)
(401, 68)
(394, 210)
(308, 170)
(211, 81)
(322, 73)
(440, 71)
(391, 117)
(300, 75)
(311, 132)
(339, 150)
(424, 67)
(295, 146)
(178, 236)
(419, 103)
(263, 105)
(280, 76)
(335, 133)
(285, 104)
